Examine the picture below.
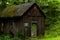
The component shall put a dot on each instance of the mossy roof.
(15, 10)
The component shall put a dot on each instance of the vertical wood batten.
(1, 27)
(23, 29)
(39, 26)
(42, 28)
(6, 27)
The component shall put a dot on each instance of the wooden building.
(22, 20)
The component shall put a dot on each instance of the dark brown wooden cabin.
(22, 20)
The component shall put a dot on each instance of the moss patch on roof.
(16, 10)
(9, 11)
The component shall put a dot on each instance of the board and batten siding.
(33, 15)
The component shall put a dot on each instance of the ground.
(52, 38)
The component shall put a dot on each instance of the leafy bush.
(7, 37)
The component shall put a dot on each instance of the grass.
(52, 38)
(37, 38)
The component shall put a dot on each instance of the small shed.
(22, 20)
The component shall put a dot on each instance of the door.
(34, 30)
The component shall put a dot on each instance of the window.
(26, 24)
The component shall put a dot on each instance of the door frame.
(35, 22)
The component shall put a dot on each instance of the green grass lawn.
(53, 38)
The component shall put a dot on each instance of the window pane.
(26, 24)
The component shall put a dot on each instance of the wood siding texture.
(34, 15)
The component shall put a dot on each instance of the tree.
(2, 4)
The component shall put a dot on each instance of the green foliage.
(27, 38)
(20, 34)
(51, 10)
(10, 11)
(53, 31)
(8, 37)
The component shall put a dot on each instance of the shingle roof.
(16, 10)
(21, 9)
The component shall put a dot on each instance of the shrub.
(7, 37)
